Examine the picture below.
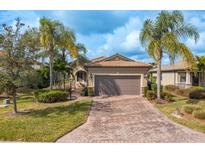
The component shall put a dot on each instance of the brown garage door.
(117, 85)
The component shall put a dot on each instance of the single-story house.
(114, 75)
(179, 74)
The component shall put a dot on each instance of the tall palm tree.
(53, 35)
(163, 36)
(66, 43)
(48, 34)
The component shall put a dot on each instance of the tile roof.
(98, 59)
(112, 61)
(182, 65)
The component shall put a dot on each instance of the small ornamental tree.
(19, 46)
(200, 63)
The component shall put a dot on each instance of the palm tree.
(54, 35)
(81, 59)
(163, 36)
(48, 35)
(66, 43)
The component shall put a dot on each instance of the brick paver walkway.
(129, 119)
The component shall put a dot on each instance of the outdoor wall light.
(91, 75)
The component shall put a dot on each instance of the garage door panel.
(117, 85)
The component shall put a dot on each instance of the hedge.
(171, 88)
(200, 114)
(167, 96)
(50, 96)
(191, 108)
(192, 101)
(183, 92)
(197, 94)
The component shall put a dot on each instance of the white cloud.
(197, 22)
(195, 47)
(131, 40)
(124, 39)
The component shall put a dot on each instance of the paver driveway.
(129, 119)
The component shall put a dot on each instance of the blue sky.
(108, 32)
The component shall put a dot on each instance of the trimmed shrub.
(145, 91)
(154, 87)
(50, 96)
(197, 88)
(151, 95)
(38, 92)
(167, 96)
(183, 92)
(191, 108)
(197, 94)
(200, 114)
(191, 101)
(171, 88)
(84, 92)
(90, 91)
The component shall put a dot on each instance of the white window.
(182, 77)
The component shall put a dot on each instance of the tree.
(61, 68)
(47, 39)
(200, 64)
(55, 35)
(163, 36)
(19, 50)
(67, 47)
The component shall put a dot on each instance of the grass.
(38, 122)
(188, 120)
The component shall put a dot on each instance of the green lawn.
(187, 120)
(38, 122)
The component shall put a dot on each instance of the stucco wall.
(168, 78)
(99, 70)
(202, 80)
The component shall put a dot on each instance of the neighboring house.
(179, 74)
(114, 75)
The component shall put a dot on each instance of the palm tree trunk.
(14, 103)
(64, 81)
(158, 78)
(70, 90)
(51, 71)
(203, 77)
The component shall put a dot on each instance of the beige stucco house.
(180, 74)
(114, 75)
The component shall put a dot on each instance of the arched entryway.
(81, 76)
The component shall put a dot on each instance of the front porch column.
(188, 79)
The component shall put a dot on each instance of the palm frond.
(154, 49)
(188, 31)
(169, 44)
(185, 52)
(146, 34)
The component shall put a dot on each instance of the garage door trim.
(104, 74)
